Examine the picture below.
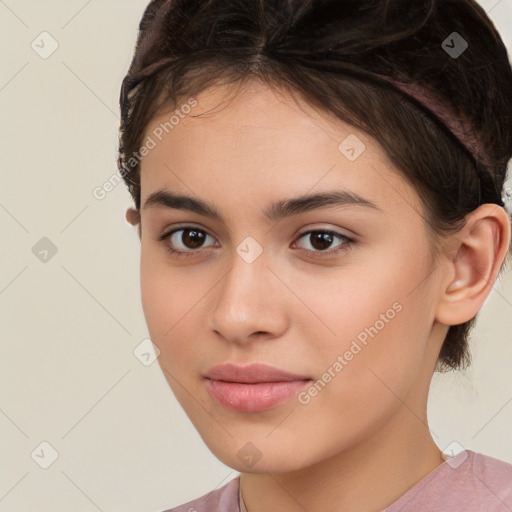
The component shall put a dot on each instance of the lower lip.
(253, 397)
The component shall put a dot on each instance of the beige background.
(68, 373)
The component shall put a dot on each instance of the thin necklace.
(243, 508)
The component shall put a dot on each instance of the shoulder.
(467, 481)
(494, 479)
(491, 469)
(223, 499)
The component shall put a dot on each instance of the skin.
(363, 440)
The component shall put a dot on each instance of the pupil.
(197, 235)
(322, 238)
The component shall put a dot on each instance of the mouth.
(253, 388)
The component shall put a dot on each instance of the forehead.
(256, 142)
(251, 109)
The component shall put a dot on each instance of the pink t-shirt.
(467, 482)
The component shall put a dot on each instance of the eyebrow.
(275, 211)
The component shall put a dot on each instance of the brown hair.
(331, 52)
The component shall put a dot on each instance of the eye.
(191, 240)
(321, 239)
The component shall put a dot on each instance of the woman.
(318, 192)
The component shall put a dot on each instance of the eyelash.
(315, 254)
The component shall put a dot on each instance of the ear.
(474, 259)
(133, 217)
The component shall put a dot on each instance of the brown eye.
(185, 241)
(320, 241)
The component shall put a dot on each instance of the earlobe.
(132, 216)
(478, 252)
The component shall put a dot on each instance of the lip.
(252, 388)
(251, 374)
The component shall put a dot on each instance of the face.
(341, 293)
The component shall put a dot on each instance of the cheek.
(166, 292)
(361, 384)
(376, 319)
(162, 302)
(173, 306)
(344, 302)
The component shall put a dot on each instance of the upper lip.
(252, 373)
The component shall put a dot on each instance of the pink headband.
(457, 125)
(454, 123)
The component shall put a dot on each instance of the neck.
(367, 477)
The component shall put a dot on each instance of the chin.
(257, 456)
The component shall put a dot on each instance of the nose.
(249, 302)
